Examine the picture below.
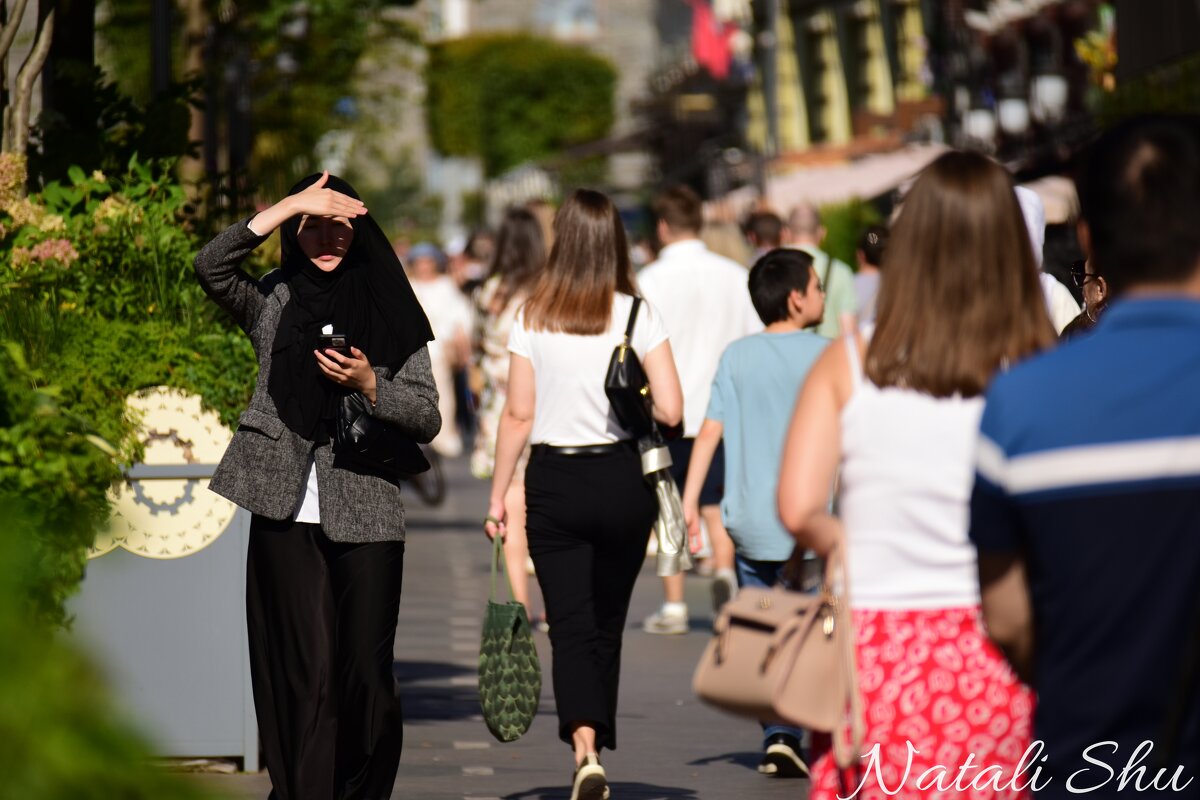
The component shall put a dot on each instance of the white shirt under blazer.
(571, 408)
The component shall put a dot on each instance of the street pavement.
(671, 746)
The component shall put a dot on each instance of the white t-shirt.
(448, 309)
(309, 509)
(571, 408)
(705, 303)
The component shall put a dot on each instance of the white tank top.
(907, 471)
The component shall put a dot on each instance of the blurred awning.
(863, 178)
(1058, 196)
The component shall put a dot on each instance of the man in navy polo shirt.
(1086, 508)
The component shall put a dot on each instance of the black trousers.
(589, 517)
(322, 623)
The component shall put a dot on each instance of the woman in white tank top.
(959, 298)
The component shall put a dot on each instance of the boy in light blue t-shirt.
(753, 396)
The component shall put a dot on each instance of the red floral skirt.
(945, 715)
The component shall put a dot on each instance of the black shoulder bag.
(366, 441)
(626, 384)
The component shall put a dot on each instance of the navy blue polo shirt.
(1089, 464)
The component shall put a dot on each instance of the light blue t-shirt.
(753, 396)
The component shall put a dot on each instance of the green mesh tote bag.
(510, 675)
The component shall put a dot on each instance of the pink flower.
(60, 251)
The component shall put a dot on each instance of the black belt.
(583, 449)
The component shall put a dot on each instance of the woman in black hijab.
(326, 552)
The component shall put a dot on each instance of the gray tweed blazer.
(265, 468)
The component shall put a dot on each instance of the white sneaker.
(591, 783)
(667, 624)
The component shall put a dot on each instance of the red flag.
(710, 40)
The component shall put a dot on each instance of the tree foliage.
(844, 223)
(511, 99)
(97, 126)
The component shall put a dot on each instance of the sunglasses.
(1079, 273)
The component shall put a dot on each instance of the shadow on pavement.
(414, 671)
(640, 791)
(426, 698)
(747, 760)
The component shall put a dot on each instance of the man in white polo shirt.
(705, 303)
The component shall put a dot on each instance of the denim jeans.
(765, 574)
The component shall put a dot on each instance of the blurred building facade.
(835, 71)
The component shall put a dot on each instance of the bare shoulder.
(832, 370)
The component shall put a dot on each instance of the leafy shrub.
(55, 475)
(62, 737)
(844, 223)
(97, 300)
(510, 99)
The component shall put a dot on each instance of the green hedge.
(511, 99)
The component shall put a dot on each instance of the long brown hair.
(960, 295)
(588, 263)
(519, 255)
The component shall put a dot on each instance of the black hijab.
(367, 298)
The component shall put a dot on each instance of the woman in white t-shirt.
(588, 508)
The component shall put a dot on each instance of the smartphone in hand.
(335, 342)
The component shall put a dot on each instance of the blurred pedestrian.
(871, 246)
(1060, 304)
(589, 509)
(1095, 297)
(326, 553)
(705, 306)
(726, 239)
(898, 411)
(764, 230)
(804, 231)
(751, 404)
(449, 314)
(517, 263)
(1086, 509)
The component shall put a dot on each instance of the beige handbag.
(783, 656)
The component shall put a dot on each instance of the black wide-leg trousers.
(589, 517)
(322, 623)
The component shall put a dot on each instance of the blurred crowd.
(469, 288)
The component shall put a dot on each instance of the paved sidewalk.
(671, 746)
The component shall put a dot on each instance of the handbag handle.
(637, 302)
(497, 558)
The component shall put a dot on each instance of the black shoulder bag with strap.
(626, 384)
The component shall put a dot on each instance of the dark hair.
(1139, 192)
(772, 279)
(681, 208)
(588, 264)
(519, 254)
(873, 243)
(764, 228)
(962, 295)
